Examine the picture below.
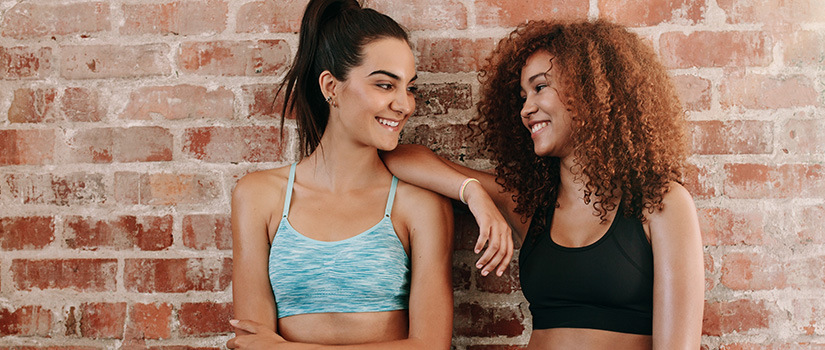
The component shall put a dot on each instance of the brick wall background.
(124, 125)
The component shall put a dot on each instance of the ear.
(327, 83)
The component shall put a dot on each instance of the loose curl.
(628, 124)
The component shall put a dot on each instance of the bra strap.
(288, 196)
(391, 197)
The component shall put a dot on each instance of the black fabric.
(607, 285)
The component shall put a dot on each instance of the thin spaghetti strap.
(391, 197)
(288, 196)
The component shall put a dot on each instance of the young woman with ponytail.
(334, 250)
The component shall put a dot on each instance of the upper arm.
(678, 285)
(431, 293)
(251, 292)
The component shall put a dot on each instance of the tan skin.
(340, 190)
(678, 287)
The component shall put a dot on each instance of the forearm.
(403, 344)
(419, 166)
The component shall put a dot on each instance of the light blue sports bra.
(365, 273)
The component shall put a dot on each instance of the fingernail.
(500, 273)
(478, 266)
(233, 322)
(478, 251)
(484, 273)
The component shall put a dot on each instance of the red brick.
(809, 219)
(808, 316)
(235, 144)
(82, 105)
(102, 320)
(506, 284)
(179, 102)
(462, 273)
(177, 275)
(150, 321)
(25, 62)
(505, 13)
(438, 99)
(807, 273)
(772, 11)
(804, 48)
(125, 232)
(722, 226)
(29, 320)
(262, 103)
(732, 137)
(114, 61)
(774, 181)
(775, 346)
(803, 136)
(448, 55)
(466, 232)
(452, 141)
(176, 18)
(752, 271)
(166, 188)
(85, 275)
(759, 91)
(271, 16)
(26, 233)
(475, 320)
(135, 144)
(207, 231)
(33, 106)
(205, 319)
(697, 180)
(710, 282)
(424, 14)
(695, 92)
(739, 316)
(26, 147)
(704, 49)
(61, 347)
(235, 58)
(69, 189)
(31, 20)
(651, 13)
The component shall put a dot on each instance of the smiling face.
(376, 99)
(543, 112)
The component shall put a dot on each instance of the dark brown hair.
(332, 37)
(627, 120)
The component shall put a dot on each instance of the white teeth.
(388, 122)
(539, 126)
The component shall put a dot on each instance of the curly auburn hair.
(628, 123)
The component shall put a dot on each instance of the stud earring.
(329, 98)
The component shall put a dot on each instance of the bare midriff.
(593, 339)
(345, 328)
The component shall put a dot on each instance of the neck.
(341, 165)
(571, 188)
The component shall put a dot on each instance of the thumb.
(245, 325)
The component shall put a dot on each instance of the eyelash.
(412, 89)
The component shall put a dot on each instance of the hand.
(493, 231)
(259, 337)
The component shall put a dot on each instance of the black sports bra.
(607, 285)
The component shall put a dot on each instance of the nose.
(528, 108)
(404, 103)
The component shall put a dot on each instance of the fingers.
(498, 254)
(483, 235)
(245, 325)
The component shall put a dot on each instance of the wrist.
(462, 191)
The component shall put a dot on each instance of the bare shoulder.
(261, 192)
(411, 198)
(678, 213)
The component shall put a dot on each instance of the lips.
(538, 126)
(387, 122)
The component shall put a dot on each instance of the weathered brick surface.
(124, 126)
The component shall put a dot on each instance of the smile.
(387, 122)
(538, 126)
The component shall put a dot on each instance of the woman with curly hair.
(587, 135)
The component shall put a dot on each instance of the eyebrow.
(391, 75)
(530, 81)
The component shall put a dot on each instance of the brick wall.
(124, 125)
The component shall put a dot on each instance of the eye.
(385, 86)
(540, 87)
(413, 89)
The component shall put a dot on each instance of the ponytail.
(332, 37)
